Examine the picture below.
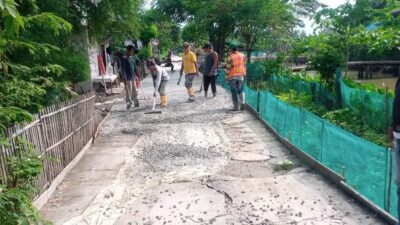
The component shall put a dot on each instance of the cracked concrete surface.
(196, 163)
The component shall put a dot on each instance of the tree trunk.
(248, 51)
(211, 38)
(218, 45)
(250, 42)
(222, 47)
(217, 40)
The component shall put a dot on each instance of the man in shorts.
(189, 66)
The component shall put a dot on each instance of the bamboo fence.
(57, 133)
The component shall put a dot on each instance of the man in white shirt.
(160, 79)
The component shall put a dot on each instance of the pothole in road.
(168, 157)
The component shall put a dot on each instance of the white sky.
(332, 4)
(147, 4)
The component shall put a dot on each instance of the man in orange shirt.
(189, 66)
(236, 72)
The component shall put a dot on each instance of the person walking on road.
(394, 137)
(130, 76)
(168, 61)
(189, 66)
(160, 79)
(236, 73)
(210, 70)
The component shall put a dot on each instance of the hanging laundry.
(102, 67)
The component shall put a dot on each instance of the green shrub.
(284, 165)
(352, 122)
(16, 194)
(76, 65)
(276, 67)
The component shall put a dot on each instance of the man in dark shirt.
(210, 70)
(130, 75)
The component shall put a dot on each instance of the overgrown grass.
(284, 165)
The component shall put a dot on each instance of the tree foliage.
(23, 87)
(193, 32)
(42, 51)
(248, 21)
(113, 18)
(259, 18)
(345, 34)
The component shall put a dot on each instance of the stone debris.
(168, 157)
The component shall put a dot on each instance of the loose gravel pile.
(189, 117)
(169, 157)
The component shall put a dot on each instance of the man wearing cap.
(236, 72)
(210, 70)
(189, 66)
(160, 79)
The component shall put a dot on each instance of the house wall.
(93, 51)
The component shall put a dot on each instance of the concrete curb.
(43, 198)
(328, 173)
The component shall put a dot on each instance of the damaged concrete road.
(196, 163)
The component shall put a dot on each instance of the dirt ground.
(196, 163)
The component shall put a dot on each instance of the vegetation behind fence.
(58, 133)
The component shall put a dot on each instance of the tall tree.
(248, 19)
(107, 18)
(168, 29)
(259, 18)
(213, 17)
(194, 33)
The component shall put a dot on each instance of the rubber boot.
(164, 101)
(241, 102)
(205, 94)
(191, 94)
(235, 106)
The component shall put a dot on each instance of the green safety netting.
(372, 105)
(364, 165)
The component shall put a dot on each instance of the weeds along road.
(196, 163)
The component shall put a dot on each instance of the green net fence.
(371, 106)
(364, 165)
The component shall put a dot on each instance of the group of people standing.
(235, 69)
